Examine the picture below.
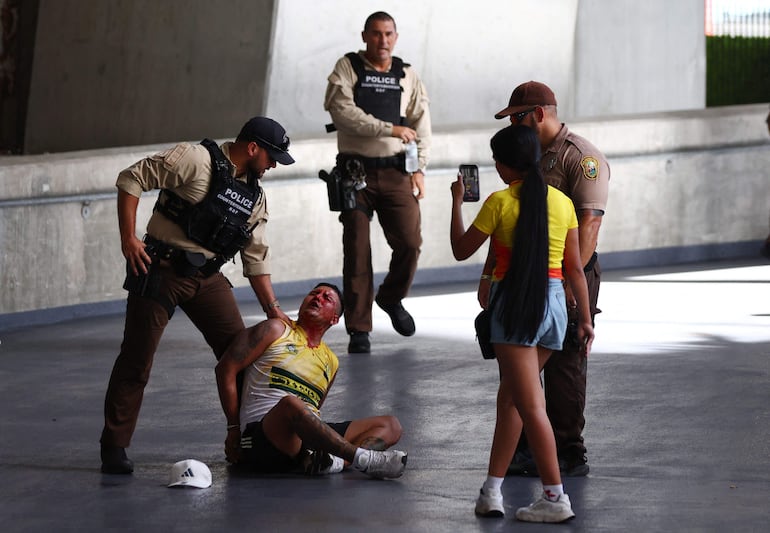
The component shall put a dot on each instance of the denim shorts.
(550, 334)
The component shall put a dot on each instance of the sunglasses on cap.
(283, 147)
(518, 117)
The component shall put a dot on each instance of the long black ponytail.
(524, 289)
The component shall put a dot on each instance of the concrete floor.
(678, 421)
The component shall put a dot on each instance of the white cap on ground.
(190, 473)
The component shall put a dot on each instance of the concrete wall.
(133, 72)
(601, 58)
(639, 57)
(685, 186)
(467, 57)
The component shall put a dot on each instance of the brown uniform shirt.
(578, 169)
(361, 133)
(185, 169)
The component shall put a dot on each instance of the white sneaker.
(387, 464)
(544, 510)
(489, 504)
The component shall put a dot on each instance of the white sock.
(361, 459)
(492, 483)
(338, 464)
(552, 493)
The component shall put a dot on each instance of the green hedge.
(737, 70)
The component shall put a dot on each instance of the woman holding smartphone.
(535, 246)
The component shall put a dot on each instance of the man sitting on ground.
(288, 373)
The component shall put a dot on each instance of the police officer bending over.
(210, 207)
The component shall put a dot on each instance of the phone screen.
(470, 175)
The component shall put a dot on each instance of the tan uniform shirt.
(361, 133)
(185, 169)
(578, 169)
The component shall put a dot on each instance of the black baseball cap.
(270, 135)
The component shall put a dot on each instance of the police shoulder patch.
(590, 167)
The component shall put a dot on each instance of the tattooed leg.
(374, 443)
(317, 435)
(292, 425)
(374, 433)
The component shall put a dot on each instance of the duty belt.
(394, 161)
(182, 258)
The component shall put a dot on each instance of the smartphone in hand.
(470, 175)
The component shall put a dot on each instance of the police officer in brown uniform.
(210, 207)
(378, 104)
(577, 168)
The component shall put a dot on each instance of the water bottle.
(411, 157)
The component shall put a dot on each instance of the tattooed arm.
(246, 348)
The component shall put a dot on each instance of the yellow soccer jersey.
(498, 217)
(288, 366)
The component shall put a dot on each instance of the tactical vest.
(378, 93)
(220, 221)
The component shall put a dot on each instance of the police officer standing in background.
(379, 106)
(577, 168)
(210, 207)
